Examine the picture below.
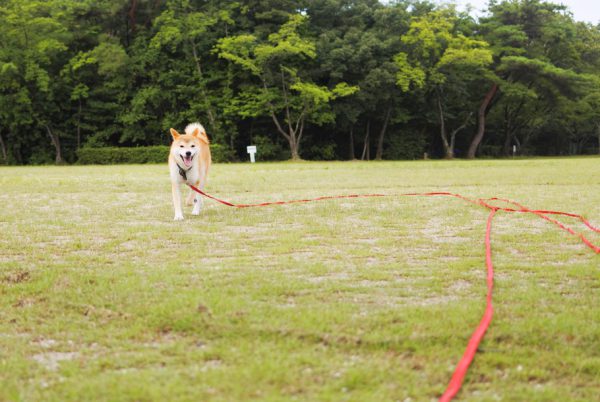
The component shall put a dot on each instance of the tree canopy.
(319, 79)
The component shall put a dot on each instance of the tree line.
(312, 79)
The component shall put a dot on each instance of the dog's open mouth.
(187, 160)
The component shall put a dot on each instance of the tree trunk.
(448, 151)
(352, 154)
(379, 153)
(366, 142)
(298, 132)
(456, 131)
(481, 121)
(294, 149)
(293, 134)
(131, 14)
(3, 148)
(508, 137)
(518, 144)
(56, 142)
(290, 136)
(508, 132)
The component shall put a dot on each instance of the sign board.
(251, 149)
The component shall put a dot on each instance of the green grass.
(106, 298)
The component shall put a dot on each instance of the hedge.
(131, 155)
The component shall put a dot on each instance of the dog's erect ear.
(174, 134)
(200, 135)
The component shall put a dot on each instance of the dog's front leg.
(190, 198)
(198, 199)
(176, 190)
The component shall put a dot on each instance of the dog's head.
(185, 147)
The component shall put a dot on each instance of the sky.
(583, 10)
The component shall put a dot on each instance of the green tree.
(538, 65)
(35, 41)
(443, 63)
(117, 72)
(284, 92)
(181, 26)
(356, 40)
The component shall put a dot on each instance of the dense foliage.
(129, 155)
(316, 79)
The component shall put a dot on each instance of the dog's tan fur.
(190, 153)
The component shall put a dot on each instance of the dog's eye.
(193, 146)
(181, 146)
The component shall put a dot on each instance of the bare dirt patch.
(51, 360)
(16, 277)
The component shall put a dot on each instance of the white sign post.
(251, 149)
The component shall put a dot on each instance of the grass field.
(105, 297)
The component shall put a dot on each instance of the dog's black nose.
(188, 153)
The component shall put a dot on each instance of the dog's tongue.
(187, 160)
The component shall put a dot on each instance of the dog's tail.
(190, 128)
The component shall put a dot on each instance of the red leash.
(463, 365)
(264, 204)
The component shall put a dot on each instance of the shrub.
(323, 152)
(405, 145)
(268, 150)
(132, 155)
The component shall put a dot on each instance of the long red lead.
(463, 365)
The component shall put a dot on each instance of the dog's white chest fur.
(183, 176)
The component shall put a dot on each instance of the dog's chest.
(181, 175)
(191, 176)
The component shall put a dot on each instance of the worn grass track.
(104, 297)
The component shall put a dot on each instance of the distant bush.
(133, 155)
(269, 150)
(323, 152)
(405, 145)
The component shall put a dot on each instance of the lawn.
(105, 297)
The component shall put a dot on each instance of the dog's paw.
(194, 212)
(178, 218)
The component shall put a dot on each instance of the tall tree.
(285, 92)
(36, 43)
(443, 62)
(535, 63)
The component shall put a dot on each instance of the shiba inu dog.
(189, 161)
